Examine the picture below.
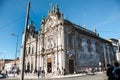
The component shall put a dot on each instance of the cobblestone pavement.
(100, 76)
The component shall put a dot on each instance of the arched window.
(70, 41)
(93, 46)
(29, 51)
(28, 67)
(79, 44)
(89, 45)
(97, 47)
(33, 50)
(32, 67)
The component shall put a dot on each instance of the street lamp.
(16, 50)
(3, 61)
(3, 55)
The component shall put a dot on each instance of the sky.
(102, 14)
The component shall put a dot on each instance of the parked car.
(2, 75)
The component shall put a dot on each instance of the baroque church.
(64, 47)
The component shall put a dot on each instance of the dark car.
(2, 75)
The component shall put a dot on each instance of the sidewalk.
(34, 76)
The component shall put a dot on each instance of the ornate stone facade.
(64, 47)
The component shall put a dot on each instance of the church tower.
(51, 42)
(31, 48)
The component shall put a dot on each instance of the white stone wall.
(82, 57)
(62, 42)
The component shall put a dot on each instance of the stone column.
(109, 60)
(56, 62)
(105, 56)
(30, 63)
(26, 64)
(63, 48)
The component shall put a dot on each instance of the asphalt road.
(100, 76)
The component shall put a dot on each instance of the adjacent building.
(116, 47)
(12, 66)
(3, 62)
(64, 47)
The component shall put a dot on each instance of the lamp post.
(3, 61)
(3, 55)
(16, 50)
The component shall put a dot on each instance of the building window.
(28, 67)
(45, 42)
(29, 51)
(70, 41)
(49, 65)
(79, 44)
(84, 44)
(33, 50)
(89, 45)
(97, 49)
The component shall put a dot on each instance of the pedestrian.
(6, 73)
(17, 71)
(38, 72)
(35, 71)
(43, 73)
(93, 71)
(117, 74)
(64, 71)
(25, 71)
(109, 72)
(116, 67)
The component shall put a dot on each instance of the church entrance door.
(49, 65)
(71, 66)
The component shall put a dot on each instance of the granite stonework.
(63, 47)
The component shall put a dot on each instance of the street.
(99, 76)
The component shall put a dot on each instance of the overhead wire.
(35, 21)
(11, 22)
(34, 15)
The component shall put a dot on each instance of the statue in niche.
(50, 42)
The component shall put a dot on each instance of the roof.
(113, 39)
(85, 31)
(14, 61)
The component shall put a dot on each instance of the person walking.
(116, 69)
(117, 74)
(109, 72)
(6, 73)
(38, 72)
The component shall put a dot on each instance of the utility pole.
(24, 43)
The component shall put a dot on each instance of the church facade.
(64, 47)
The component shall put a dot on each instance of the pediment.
(51, 22)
